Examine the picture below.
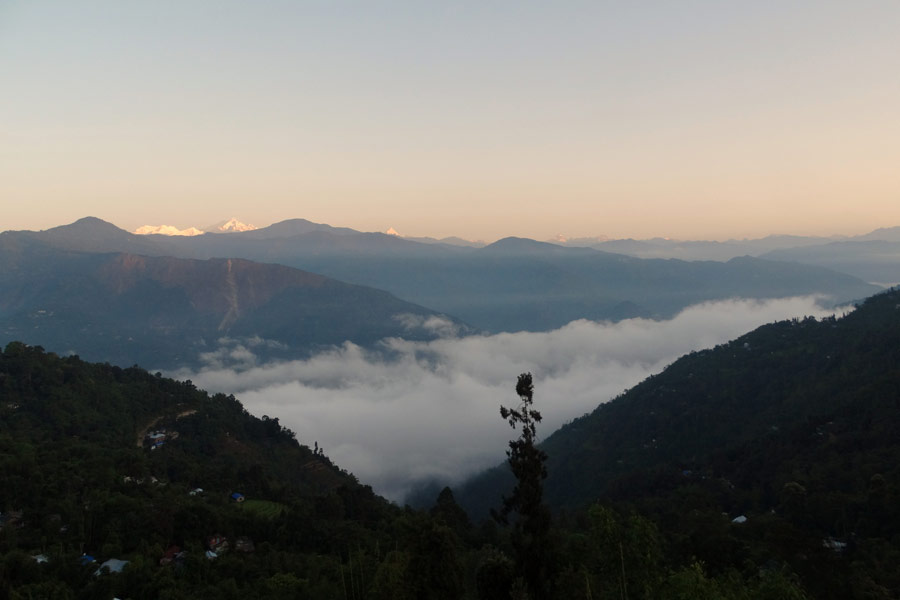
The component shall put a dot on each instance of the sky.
(431, 412)
(481, 119)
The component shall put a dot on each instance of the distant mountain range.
(514, 284)
(167, 230)
(165, 312)
(228, 226)
(873, 257)
(872, 260)
(511, 285)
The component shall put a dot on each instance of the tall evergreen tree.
(531, 528)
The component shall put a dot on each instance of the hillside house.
(113, 565)
(217, 543)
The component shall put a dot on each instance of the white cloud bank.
(426, 410)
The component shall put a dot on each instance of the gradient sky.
(480, 119)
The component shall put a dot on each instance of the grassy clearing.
(263, 508)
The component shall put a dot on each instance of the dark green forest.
(763, 468)
(792, 430)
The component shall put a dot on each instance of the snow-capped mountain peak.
(232, 225)
(167, 230)
(392, 231)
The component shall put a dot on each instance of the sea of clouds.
(412, 412)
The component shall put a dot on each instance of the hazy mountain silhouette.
(886, 234)
(519, 284)
(871, 260)
(873, 257)
(165, 312)
(91, 234)
(699, 249)
(511, 285)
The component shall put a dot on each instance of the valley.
(761, 450)
(449, 301)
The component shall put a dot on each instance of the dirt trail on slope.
(233, 307)
(143, 432)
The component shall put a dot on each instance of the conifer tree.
(531, 528)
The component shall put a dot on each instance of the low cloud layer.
(417, 411)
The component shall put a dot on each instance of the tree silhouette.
(531, 528)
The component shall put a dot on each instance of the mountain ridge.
(752, 386)
(776, 448)
(168, 312)
(512, 285)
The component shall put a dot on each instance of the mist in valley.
(414, 412)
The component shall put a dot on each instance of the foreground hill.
(169, 312)
(512, 285)
(118, 483)
(73, 428)
(784, 379)
(78, 475)
(790, 429)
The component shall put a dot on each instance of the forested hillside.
(763, 468)
(790, 429)
(100, 463)
(118, 483)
